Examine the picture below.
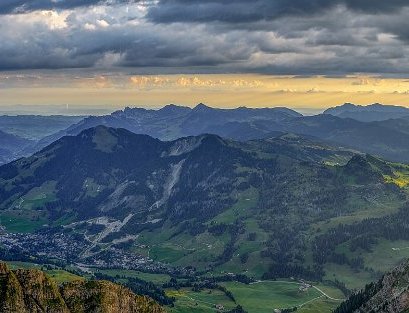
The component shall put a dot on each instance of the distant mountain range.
(387, 139)
(375, 129)
(172, 122)
(369, 113)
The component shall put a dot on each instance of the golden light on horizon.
(118, 90)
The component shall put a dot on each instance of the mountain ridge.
(386, 138)
(369, 113)
(30, 290)
(133, 119)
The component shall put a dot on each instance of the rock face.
(388, 295)
(31, 291)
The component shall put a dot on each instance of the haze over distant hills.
(36, 127)
(369, 113)
(10, 146)
(21, 132)
(369, 129)
(173, 121)
(385, 138)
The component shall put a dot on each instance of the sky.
(303, 54)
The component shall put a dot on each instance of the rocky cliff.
(389, 295)
(31, 291)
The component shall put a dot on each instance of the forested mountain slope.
(270, 207)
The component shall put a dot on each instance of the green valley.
(195, 220)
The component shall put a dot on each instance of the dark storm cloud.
(120, 45)
(214, 10)
(244, 11)
(20, 6)
(330, 37)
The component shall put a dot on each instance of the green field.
(18, 221)
(352, 279)
(384, 256)
(58, 275)
(16, 264)
(260, 297)
(255, 298)
(266, 296)
(321, 305)
(245, 200)
(188, 301)
(61, 276)
(37, 197)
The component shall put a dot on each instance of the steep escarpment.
(389, 295)
(105, 297)
(31, 291)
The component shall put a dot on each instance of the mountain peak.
(170, 106)
(349, 105)
(361, 170)
(201, 107)
(173, 108)
(105, 138)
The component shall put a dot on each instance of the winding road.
(298, 283)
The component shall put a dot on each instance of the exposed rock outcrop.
(31, 291)
(388, 295)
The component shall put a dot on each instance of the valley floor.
(257, 297)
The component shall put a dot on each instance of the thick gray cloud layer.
(330, 37)
(21, 6)
(244, 11)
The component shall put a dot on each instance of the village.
(67, 249)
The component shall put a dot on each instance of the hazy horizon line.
(87, 110)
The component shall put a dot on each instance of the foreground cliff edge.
(31, 291)
(389, 295)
